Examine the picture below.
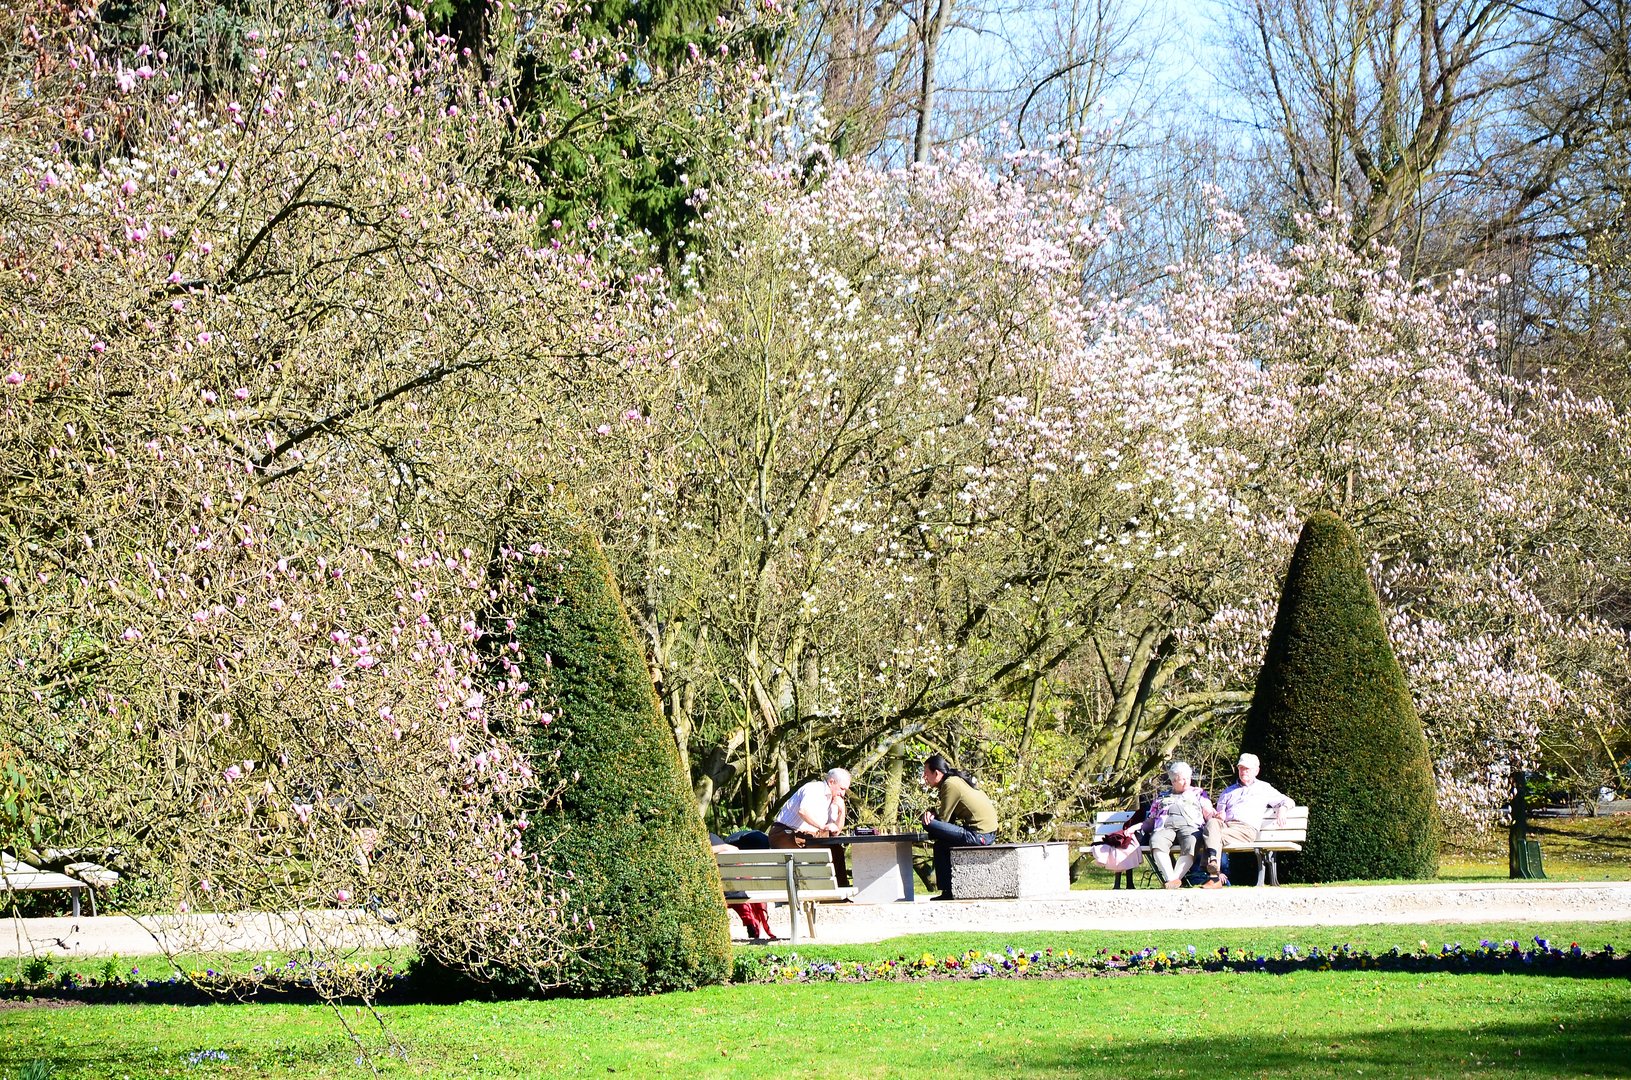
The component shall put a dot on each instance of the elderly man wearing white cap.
(1240, 811)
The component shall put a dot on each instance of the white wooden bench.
(801, 878)
(73, 863)
(1009, 871)
(1271, 839)
(17, 876)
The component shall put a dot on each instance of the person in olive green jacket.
(965, 817)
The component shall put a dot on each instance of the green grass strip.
(1307, 1024)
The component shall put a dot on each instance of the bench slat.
(38, 882)
(757, 896)
(16, 876)
(775, 858)
(767, 881)
(1114, 821)
(1280, 836)
(93, 874)
(774, 868)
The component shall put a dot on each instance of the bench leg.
(1274, 869)
(75, 894)
(809, 918)
(1263, 858)
(792, 902)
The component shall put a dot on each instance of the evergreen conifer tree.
(1334, 725)
(607, 161)
(626, 826)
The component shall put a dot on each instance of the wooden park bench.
(1271, 839)
(801, 878)
(17, 876)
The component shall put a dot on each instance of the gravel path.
(1157, 909)
(120, 935)
(1140, 909)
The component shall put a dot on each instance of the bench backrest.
(1295, 830)
(1109, 821)
(766, 871)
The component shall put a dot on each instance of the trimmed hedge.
(627, 827)
(1333, 722)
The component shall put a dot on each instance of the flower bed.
(382, 982)
(293, 982)
(1487, 956)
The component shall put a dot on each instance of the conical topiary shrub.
(1333, 722)
(626, 826)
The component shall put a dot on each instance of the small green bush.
(1333, 721)
(626, 827)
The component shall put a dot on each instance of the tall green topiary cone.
(1333, 722)
(627, 827)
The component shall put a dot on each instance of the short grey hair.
(841, 775)
(1180, 768)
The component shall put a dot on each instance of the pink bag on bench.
(1118, 859)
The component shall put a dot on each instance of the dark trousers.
(947, 835)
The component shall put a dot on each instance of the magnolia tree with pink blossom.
(832, 551)
(1490, 504)
(908, 480)
(275, 361)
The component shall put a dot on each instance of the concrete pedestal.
(881, 873)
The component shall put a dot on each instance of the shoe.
(943, 896)
(1213, 882)
(1212, 866)
(1175, 883)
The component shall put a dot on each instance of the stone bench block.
(1010, 871)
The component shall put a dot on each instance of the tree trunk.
(934, 27)
(896, 771)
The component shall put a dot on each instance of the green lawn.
(1310, 1023)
